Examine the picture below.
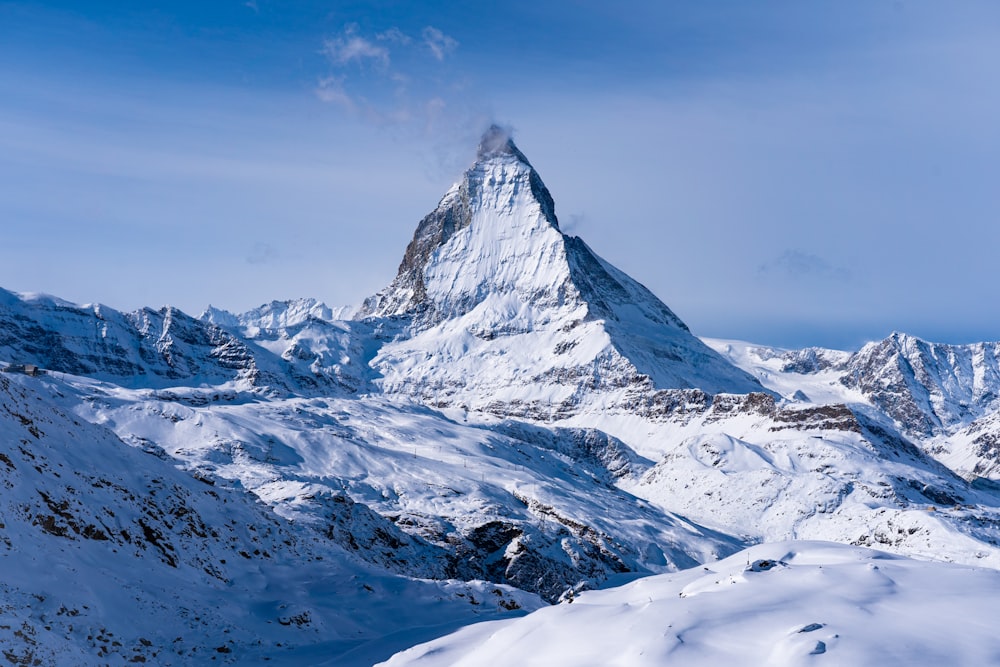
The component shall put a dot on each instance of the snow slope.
(783, 604)
(810, 375)
(109, 554)
(516, 504)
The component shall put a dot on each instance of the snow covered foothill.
(513, 502)
(766, 471)
(111, 555)
(775, 605)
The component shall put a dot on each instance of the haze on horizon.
(783, 173)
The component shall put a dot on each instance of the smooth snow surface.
(773, 605)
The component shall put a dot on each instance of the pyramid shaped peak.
(498, 142)
(488, 271)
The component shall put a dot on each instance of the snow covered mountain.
(929, 388)
(509, 422)
(500, 311)
(945, 397)
(162, 348)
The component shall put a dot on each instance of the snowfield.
(775, 605)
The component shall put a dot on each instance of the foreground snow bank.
(788, 603)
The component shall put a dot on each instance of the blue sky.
(790, 172)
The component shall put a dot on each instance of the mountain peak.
(497, 142)
(500, 209)
(489, 270)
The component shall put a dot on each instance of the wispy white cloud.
(434, 110)
(394, 35)
(439, 43)
(330, 89)
(390, 77)
(350, 47)
(572, 223)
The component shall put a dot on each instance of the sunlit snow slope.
(776, 605)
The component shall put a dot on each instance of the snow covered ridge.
(164, 348)
(772, 605)
(928, 388)
(945, 397)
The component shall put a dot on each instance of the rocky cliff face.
(929, 388)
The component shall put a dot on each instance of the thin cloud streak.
(330, 89)
(793, 263)
(439, 43)
(262, 253)
(351, 48)
(403, 89)
(394, 35)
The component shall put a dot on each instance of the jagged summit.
(496, 141)
(499, 211)
(929, 387)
